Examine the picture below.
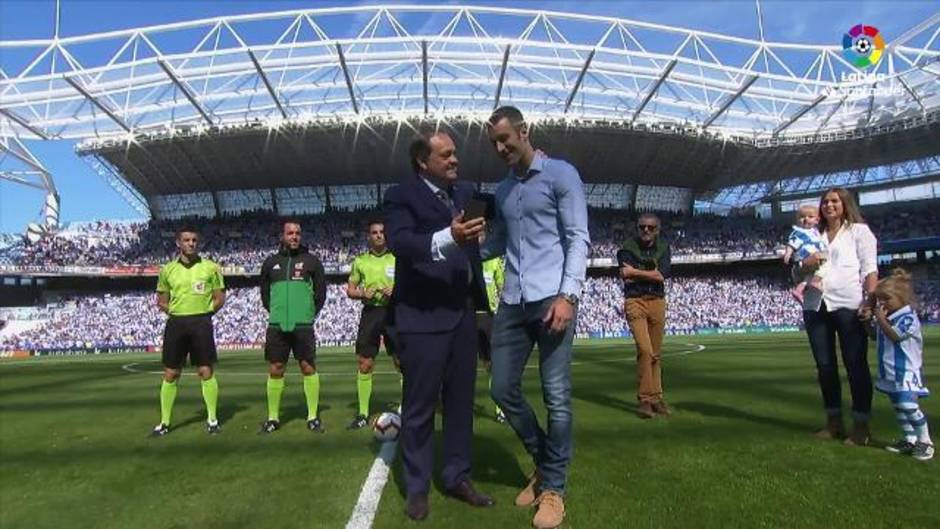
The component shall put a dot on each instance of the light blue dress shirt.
(541, 227)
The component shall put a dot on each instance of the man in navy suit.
(438, 289)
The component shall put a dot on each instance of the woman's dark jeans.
(822, 327)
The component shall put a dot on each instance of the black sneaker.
(270, 426)
(159, 430)
(901, 446)
(922, 451)
(213, 428)
(315, 426)
(358, 423)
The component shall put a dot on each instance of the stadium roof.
(331, 95)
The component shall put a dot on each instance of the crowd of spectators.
(240, 240)
(337, 237)
(703, 234)
(131, 320)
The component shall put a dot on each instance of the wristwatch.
(570, 298)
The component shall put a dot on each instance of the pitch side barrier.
(753, 329)
(608, 335)
(93, 350)
(142, 348)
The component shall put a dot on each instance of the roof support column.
(349, 83)
(659, 82)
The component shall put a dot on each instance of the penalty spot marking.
(363, 514)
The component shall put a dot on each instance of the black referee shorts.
(279, 344)
(375, 322)
(484, 333)
(190, 336)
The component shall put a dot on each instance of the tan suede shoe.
(528, 495)
(551, 511)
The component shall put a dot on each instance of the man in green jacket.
(293, 291)
(645, 263)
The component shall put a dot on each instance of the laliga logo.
(863, 46)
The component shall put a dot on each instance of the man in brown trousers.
(644, 264)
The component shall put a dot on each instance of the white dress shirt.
(853, 254)
(442, 241)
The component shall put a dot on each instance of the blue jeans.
(822, 328)
(516, 329)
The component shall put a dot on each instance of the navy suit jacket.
(429, 296)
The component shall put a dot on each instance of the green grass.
(737, 453)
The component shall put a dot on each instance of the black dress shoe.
(465, 492)
(417, 507)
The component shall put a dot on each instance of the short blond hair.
(806, 207)
(896, 286)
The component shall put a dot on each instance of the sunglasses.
(647, 227)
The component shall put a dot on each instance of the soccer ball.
(863, 46)
(386, 426)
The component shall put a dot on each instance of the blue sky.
(85, 196)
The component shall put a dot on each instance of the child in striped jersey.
(804, 241)
(900, 360)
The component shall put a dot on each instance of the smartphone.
(475, 209)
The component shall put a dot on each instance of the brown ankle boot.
(833, 429)
(860, 436)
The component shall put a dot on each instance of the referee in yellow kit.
(371, 280)
(190, 290)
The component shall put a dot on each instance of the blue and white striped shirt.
(805, 242)
(900, 364)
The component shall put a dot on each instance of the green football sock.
(364, 387)
(167, 398)
(275, 389)
(312, 392)
(210, 394)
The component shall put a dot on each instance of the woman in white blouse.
(835, 311)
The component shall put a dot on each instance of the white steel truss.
(403, 61)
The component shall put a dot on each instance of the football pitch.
(738, 452)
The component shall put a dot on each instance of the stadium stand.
(130, 320)
(699, 301)
(337, 237)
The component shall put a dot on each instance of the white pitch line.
(363, 513)
(696, 348)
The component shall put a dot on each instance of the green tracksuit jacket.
(293, 288)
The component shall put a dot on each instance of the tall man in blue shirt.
(541, 226)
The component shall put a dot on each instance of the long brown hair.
(851, 214)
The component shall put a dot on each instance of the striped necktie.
(445, 198)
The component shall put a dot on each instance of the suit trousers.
(438, 366)
(646, 317)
